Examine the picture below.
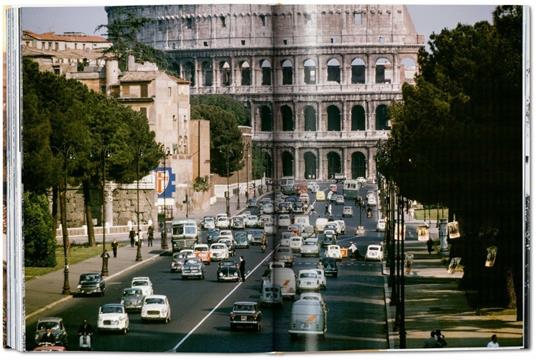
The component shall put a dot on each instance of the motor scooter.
(85, 341)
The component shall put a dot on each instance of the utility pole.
(104, 255)
(138, 250)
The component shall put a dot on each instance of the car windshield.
(374, 248)
(307, 275)
(192, 262)
(154, 301)
(111, 309)
(89, 277)
(42, 325)
(240, 236)
(243, 307)
(128, 292)
(309, 242)
(218, 247)
(201, 248)
(140, 283)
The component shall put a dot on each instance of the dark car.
(252, 203)
(56, 328)
(259, 237)
(330, 267)
(298, 207)
(91, 283)
(193, 268)
(228, 271)
(242, 239)
(245, 314)
(132, 299)
(213, 235)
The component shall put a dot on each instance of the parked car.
(299, 207)
(57, 328)
(284, 254)
(132, 299)
(90, 284)
(228, 271)
(218, 251)
(374, 252)
(156, 307)
(202, 252)
(347, 211)
(330, 267)
(245, 314)
(285, 238)
(113, 317)
(144, 283)
(308, 280)
(267, 208)
(242, 239)
(334, 252)
(193, 268)
(269, 229)
(213, 235)
(310, 247)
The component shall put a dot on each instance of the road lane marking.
(179, 344)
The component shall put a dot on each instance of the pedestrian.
(131, 235)
(431, 342)
(242, 268)
(493, 343)
(114, 247)
(150, 236)
(429, 245)
(440, 339)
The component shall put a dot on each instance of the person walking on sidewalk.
(493, 343)
(114, 247)
(429, 246)
(150, 236)
(131, 235)
(242, 268)
(436, 340)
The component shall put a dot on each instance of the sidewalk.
(44, 292)
(434, 301)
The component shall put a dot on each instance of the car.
(285, 238)
(321, 277)
(299, 207)
(339, 199)
(308, 280)
(310, 247)
(213, 235)
(380, 226)
(228, 271)
(57, 329)
(252, 203)
(312, 186)
(202, 252)
(231, 244)
(330, 267)
(156, 308)
(245, 314)
(193, 268)
(307, 317)
(242, 239)
(328, 238)
(320, 195)
(267, 208)
(276, 264)
(371, 199)
(269, 229)
(113, 317)
(361, 180)
(304, 198)
(295, 229)
(222, 221)
(132, 299)
(283, 220)
(333, 188)
(218, 251)
(144, 283)
(333, 225)
(177, 261)
(270, 293)
(320, 224)
(347, 211)
(334, 252)
(284, 254)
(257, 237)
(342, 226)
(374, 252)
(295, 243)
(226, 233)
(313, 296)
(209, 222)
(237, 222)
(90, 284)
(252, 221)
(283, 207)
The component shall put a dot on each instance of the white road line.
(176, 347)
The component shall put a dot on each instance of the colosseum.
(318, 79)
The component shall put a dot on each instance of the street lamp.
(163, 239)
(139, 153)
(238, 187)
(104, 255)
(247, 172)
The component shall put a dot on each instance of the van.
(271, 293)
(286, 279)
(308, 317)
(320, 224)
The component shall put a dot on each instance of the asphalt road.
(200, 308)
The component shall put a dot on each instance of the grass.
(77, 254)
(421, 214)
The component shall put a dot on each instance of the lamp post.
(238, 188)
(104, 255)
(139, 153)
(228, 193)
(247, 172)
(163, 240)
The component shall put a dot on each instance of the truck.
(184, 234)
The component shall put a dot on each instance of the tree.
(456, 140)
(224, 102)
(39, 237)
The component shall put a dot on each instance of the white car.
(113, 317)
(268, 208)
(285, 238)
(310, 247)
(276, 264)
(374, 252)
(156, 307)
(252, 221)
(269, 229)
(312, 186)
(308, 280)
(371, 199)
(295, 243)
(321, 278)
(335, 225)
(334, 252)
(342, 225)
(238, 222)
(380, 226)
(218, 251)
(226, 233)
(222, 221)
(187, 253)
(283, 220)
(144, 283)
(209, 222)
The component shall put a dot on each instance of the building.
(318, 79)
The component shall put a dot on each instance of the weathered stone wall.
(125, 206)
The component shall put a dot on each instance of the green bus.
(350, 189)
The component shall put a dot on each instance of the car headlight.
(235, 274)
(220, 274)
(79, 287)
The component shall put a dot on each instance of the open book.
(256, 178)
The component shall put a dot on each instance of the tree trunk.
(510, 288)
(54, 210)
(89, 214)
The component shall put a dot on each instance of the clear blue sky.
(427, 18)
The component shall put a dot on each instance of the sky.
(427, 18)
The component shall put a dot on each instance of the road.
(200, 308)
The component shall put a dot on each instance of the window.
(309, 71)
(358, 71)
(287, 118)
(245, 73)
(358, 19)
(384, 71)
(334, 118)
(189, 23)
(243, 42)
(408, 70)
(263, 20)
(266, 68)
(143, 91)
(173, 46)
(225, 70)
(309, 117)
(188, 72)
(222, 20)
(265, 113)
(334, 70)
(169, 91)
(285, 42)
(143, 110)
(307, 17)
(287, 72)
(207, 73)
(205, 43)
(382, 117)
(358, 118)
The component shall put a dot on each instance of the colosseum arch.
(382, 120)
(359, 165)
(309, 117)
(287, 70)
(334, 118)
(384, 71)
(225, 71)
(408, 70)
(188, 72)
(309, 71)
(245, 73)
(265, 114)
(287, 163)
(334, 70)
(207, 72)
(334, 164)
(358, 118)
(310, 165)
(287, 118)
(267, 164)
(266, 67)
(358, 71)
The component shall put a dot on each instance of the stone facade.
(317, 78)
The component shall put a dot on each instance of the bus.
(184, 234)
(351, 189)
(287, 185)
